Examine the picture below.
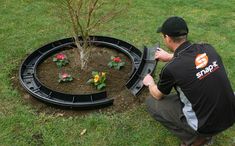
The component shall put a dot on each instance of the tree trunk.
(82, 52)
(83, 60)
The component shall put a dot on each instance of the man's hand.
(148, 80)
(153, 89)
(162, 55)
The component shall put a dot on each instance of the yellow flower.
(96, 78)
(103, 74)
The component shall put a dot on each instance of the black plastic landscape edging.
(147, 66)
(28, 74)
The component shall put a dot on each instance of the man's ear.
(168, 38)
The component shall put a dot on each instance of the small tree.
(86, 17)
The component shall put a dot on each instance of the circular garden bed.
(39, 74)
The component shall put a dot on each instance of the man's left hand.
(148, 80)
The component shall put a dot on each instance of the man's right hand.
(162, 55)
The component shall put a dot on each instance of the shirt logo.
(201, 60)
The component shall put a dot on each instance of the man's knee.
(152, 106)
(167, 108)
(150, 102)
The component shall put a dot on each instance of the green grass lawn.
(26, 25)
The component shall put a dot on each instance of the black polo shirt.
(198, 75)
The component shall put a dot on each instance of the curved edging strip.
(147, 66)
(31, 83)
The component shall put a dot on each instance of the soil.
(48, 72)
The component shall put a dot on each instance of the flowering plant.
(60, 59)
(98, 80)
(116, 63)
(65, 77)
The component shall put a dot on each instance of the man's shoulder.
(171, 65)
(202, 45)
(180, 60)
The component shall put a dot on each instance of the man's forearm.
(153, 89)
(170, 57)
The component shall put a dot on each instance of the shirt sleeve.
(166, 81)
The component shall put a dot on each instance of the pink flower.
(117, 59)
(65, 75)
(60, 56)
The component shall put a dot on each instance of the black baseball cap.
(174, 26)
